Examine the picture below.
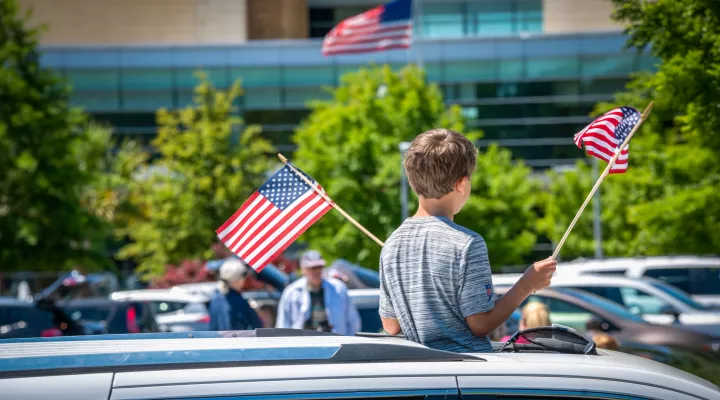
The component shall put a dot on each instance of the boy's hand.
(539, 274)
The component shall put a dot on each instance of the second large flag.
(382, 28)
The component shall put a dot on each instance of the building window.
(323, 19)
(491, 18)
(443, 20)
(448, 19)
(484, 18)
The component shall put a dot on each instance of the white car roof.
(259, 356)
(160, 295)
(641, 262)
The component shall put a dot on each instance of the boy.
(435, 280)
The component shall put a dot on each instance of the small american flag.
(382, 28)
(603, 137)
(272, 218)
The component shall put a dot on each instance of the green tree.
(669, 200)
(48, 158)
(209, 164)
(350, 146)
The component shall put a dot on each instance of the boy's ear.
(460, 184)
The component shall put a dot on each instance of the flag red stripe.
(268, 244)
(601, 156)
(297, 235)
(288, 214)
(600, 137)
(237, 213)
(273, 225)
(366, 49)
(364, 40)
(244, 241)
(244, 224)
(353, 31)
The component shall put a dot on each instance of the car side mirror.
(598, 324)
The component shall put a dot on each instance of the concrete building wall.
(72, 22)
(278, 19)
(566, 16)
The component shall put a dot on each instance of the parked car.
(264, 302)
(654, 300)
(282, 364)
(105, 316)
(367, 302)
(354, 276)
(698, 276)
(175, 311)
(674, 345)
(23, 319)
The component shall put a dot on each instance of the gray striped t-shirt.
(433, 274)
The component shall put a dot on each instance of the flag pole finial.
(282, 158)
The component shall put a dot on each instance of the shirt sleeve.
(283, 319)
(386, 306)
(476, 293)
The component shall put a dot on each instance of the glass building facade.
(530, 93)
(449, 19)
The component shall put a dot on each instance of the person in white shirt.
(316, 303)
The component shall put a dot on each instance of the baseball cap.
(232, 270)
(311, 259)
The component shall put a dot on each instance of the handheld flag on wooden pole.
(335, 206)
(607, 138)
(284, 207)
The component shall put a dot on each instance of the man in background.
(316, 303)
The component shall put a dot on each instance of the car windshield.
(604, 304)
(678, 294)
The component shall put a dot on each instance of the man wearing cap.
(229, 311)
(316, 303)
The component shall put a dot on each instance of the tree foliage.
(350, 145)
(668, 201)
(209, 163)
(48, 158)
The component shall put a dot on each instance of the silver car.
(175, 311)
(288, 364)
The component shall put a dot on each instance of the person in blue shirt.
(316, 303)
(229, 311)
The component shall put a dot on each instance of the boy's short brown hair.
(436, 159)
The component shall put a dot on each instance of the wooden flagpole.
(601, 178)
(326, 198)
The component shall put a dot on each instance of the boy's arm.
(481, 313)
(387, 312)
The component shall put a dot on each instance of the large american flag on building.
(272, 218)
(382, 28)
(603, 137)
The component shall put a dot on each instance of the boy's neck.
(434, 208)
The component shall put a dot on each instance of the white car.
(287, 364)
(698, 276)
(656, 301)
(176, 311)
